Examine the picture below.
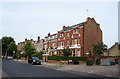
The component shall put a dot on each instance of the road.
(17, 69)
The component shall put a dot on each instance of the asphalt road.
(17, 69)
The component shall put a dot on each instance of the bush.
(97, 62)
(89, 62)
(66, 58)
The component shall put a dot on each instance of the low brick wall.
(82, 62)
(64, 62)
(53, 61)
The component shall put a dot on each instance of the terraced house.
(38, 44)
(80, 38)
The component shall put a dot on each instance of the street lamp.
(88, 54)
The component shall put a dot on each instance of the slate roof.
(71, 27)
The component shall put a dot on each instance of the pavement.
(109, 71)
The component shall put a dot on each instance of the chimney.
(25, 39)
(64, 26)
(38, 38)
(98, 25)
(31, 39)
(48, 34)
(88, 18)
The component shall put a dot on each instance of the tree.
(66, 52)
(28, 49)
(5, 42)
(10, 48)
(18, 55)
(98, 50)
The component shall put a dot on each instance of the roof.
(71, 27)
(116, 43)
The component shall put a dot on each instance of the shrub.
(97, 62)
(66, 52)
(66, 58)
(89, 62)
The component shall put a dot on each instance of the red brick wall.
(91, 32)
(92, 35)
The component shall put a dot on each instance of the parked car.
(107, 62)
(34, 60)
(70, 61)
(9, 57)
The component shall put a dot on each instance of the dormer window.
(75, 30)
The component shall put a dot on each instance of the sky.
(22, 20)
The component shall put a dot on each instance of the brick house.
(38, 44)
(113, 50)
(79, 38)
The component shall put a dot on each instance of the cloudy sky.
(31, 19)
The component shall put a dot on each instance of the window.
(75, 41)
(78, 41)
(75, 30)
(51, 37)
(78, 53)
(73, 53)
(60, 43)
(68, 35)
(61, 35)
(54, 44)
(68, 42)
(55, 36)
(48, 38)
(58, 53)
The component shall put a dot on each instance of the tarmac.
(110, 71)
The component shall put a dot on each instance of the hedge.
(38, 54)
(66, 58)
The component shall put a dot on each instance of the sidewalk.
(110, 71)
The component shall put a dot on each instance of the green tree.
(66, 52)
(10, 48)
(98, 50)
(18, 55)
(28, 49)
(5, 42)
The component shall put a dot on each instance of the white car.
(9, 57)
(107, 62)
